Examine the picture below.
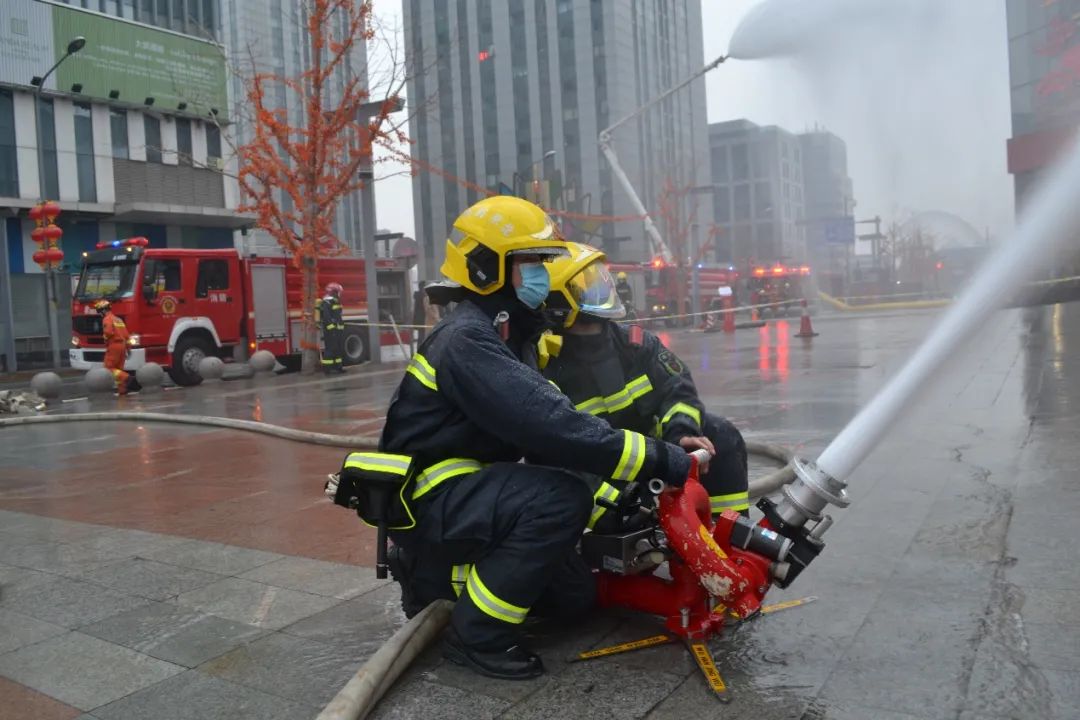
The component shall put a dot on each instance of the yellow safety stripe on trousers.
(432, 477)
(607, 492)
(734, 501)
(459, 575)
(491, 604)
(379, 462)
(421, 369)
(616, 401)
(689, 410)
(633, 456)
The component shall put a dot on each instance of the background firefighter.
(333, 330)
(497, 534)
(116, 344)
(625, 375)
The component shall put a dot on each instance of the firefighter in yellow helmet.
(470, 521)
(625, 291)
(626, 376)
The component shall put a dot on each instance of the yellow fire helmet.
(490, 231)
(582, 284)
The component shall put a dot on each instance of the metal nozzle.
(812, 491)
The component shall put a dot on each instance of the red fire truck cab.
(781, 287)
(183, 305)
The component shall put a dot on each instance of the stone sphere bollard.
(150, 376)
(263, 361)
(211, 368)
(47, 385)
(99, 380)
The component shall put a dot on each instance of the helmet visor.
(594, 292)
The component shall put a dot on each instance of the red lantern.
(38, 235)
(35, 213)
(53, 233)
(138, 241)
(54, 256)
(50, 210)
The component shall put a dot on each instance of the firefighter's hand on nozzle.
(701, 448)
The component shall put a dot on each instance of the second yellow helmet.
(582, 284)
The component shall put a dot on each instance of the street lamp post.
(73, 47)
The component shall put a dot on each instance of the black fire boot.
(513, 663)
(401, 568)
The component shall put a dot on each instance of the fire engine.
(781, 284)
(657, 284)
(182, 305)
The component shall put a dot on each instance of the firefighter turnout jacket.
(645, 388)
(467, 400)
(330, 313)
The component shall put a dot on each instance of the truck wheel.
(189, 352)
(356, 346)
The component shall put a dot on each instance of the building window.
(213, 143)
(152, 127)
(118, 122)
(720, 164)
(740, 162)
(489, 116)
(84, 152)
(183, 141)
(721, 204)
(742, 202)
(48, 149)
(9, 168)
(763, 204)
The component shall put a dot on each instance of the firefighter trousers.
(727, 479)
(333, 348)
(501, 541)
(115, 357)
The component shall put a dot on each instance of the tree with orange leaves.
(318, 163)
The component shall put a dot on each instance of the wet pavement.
(173, 572)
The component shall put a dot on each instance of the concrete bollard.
(47, 385)
(150, 377)
(99, 380)
(211, 368)
(263, 361)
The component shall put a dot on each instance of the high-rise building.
(271, 36)
(1044, 69)
(134, 128)
(511, 96)
(758, 193)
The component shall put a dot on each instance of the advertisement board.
(137, 61)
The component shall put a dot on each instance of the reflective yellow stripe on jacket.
(616, 401)
(421, 369)
(608, 492)
(491, 604)
(681, 408)
(459, 575)
(633, 456)
(735, 501)
(379, 462)
(440, 472)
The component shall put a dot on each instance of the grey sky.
(919, 89)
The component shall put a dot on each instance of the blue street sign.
(840, 231)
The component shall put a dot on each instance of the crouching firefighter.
(468, 520)
(626, 376)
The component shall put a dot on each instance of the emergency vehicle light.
(778, 270)
(759, 272)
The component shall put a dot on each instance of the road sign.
(840, 231)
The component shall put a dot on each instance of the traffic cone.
(710, 322)
(806, 330)
(754, 317)
(729, 316)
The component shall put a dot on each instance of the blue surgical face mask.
(535, 284)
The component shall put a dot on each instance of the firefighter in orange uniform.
(116, 344)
